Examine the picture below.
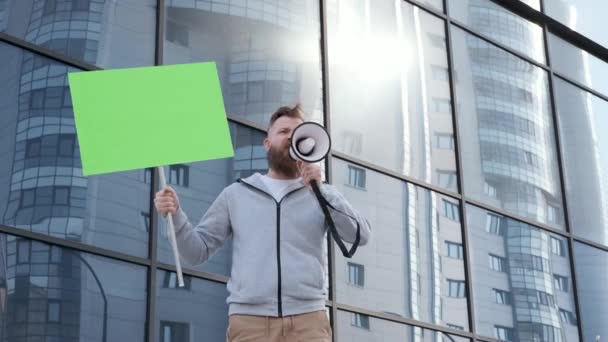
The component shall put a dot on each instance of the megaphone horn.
(310, 142)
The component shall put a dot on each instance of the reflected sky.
(578, 64)
(389, 84)
(583, 118)
(582, 16)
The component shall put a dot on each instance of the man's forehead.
(287, 122)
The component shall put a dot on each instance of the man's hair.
(292, 112)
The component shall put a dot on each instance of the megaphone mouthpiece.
(309, 143)
(306, 146)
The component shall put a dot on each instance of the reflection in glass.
(591, 276)
(578, 64)
(407, 269)
(110, 34)
(583, 16)
(498, 23)
(267, 54)
(359, 327)
(582, 121)
(205, 182)
(43, 189)
(516, 294)
(196, 312)
(506, 130)
(436, 4)
(48, 293)
(390, 95)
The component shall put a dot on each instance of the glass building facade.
(468, 132)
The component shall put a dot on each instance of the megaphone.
(310, 142)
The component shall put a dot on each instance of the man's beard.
(280, 161)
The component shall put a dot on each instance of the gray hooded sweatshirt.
(278, 261)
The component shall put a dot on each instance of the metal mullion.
(427, 8)
(393, 174)
(160, 32)
(39, 50)
(154, 220)
(555, 26)
(77, 246)
(331, 251)
(579, 85)
(466, 240)
(517, 217)
(152, 254)
(562, 178)
(217, 278)
(498, 44)
(590, 243)
(403, 320)
(247, 123)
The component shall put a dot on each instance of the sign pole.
(171, 231)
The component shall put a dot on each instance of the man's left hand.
(310, 172)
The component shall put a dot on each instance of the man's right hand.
(166, 201)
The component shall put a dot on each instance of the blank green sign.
(145, 117)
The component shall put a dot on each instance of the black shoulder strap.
(332, 227)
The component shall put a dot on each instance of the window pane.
(436, 4)
(582, 16)
(360, 327)
(68, 297)
(206, 181)
(498, 23)
(120, 33)
(195, 313)
(578, 64)
(384, 94)
(268, 55)
(581, 118)
(356, 274)
(45, 192)
(591, 276)
(406, 271)
(506, 130)
(356, 177)
(523, 297)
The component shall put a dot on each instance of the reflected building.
(265, 53)
(511, 114)
(45, 189)
(589, 216)
(404, 270)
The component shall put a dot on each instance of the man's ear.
(266, 144)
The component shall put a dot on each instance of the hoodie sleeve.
(197, 244)
(345, 217)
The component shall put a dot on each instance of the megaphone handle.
(171, 231)
(330, 222)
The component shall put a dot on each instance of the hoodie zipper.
(279, 277)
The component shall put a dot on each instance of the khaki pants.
(308, 327)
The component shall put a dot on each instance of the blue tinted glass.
(42, 188)
(119, 33)
(195, 312)
(521, 279)
(591, 266)
(64, 295)
(267, 52)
